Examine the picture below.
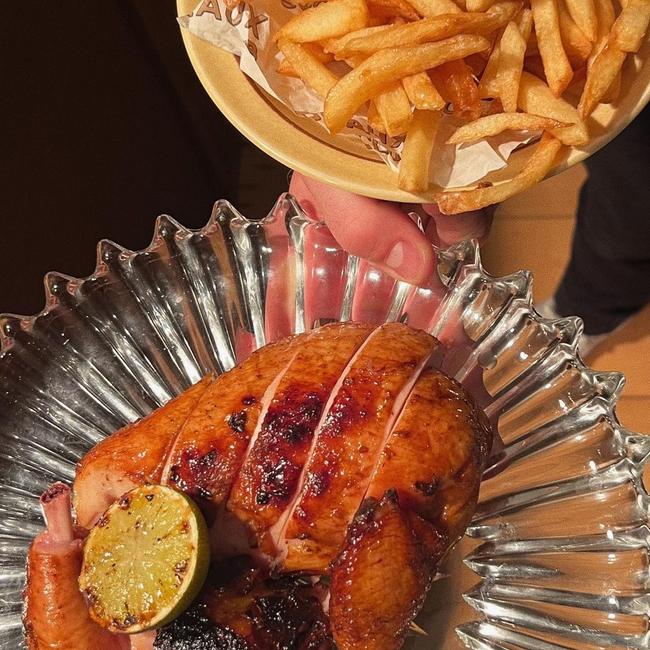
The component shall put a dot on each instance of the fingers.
(375, 230)
(450, 229)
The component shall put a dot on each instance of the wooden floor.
(533, 231)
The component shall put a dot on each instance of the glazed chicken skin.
(270, 475)
(56, 615)
(338, 452)
(133, 456)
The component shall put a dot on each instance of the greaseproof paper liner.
(247, 31)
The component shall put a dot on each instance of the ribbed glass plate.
(559, 544)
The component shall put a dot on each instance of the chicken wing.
(380, 578)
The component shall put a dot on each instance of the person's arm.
(382, 232)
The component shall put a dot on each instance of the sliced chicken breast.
(358, 419)
(268, 479)
(435, 454)
(130, 457)
(208, 451)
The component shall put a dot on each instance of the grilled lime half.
(145, 560)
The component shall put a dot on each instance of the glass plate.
(557, 554)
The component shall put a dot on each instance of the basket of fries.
(464, 102)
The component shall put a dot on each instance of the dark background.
(104, 126)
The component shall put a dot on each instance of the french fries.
(306, 65)
(430, 8)
(416, 154)
(631, 25)
(432, 29)
(487, 87)
(456, 83)
(537, 168)
(422, 93)
(602, 73)
(496, 65)
(537, 98)
(336, 46)
(399, 8)
(583, 13)
(479, 5)
(383, 68)
(547, 28)
(395, 109)
(374, 118)
(327, 20)
(512, 50)
(576, 45)
(422, 31)
(490, 125)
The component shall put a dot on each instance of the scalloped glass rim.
(560, 540)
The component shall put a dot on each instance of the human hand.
(382, 232)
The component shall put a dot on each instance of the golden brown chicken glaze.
(56, 616)
(363, 408)
(435, 454)
(269, 477)
(313, 425)
(380, 579)
(130, 457)
(210, 448)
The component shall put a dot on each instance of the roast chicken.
(336, 468)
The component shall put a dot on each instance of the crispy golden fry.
(606, 17)
(488, 87)
(576, 45)
(631, 25)
(535, 170)
(422, 93)
(383, 68)
(490, 125)
(524, 22)
(536, 97)
(416, 154)
(512, 49)
(613, 91)
(456, 84)
(431, 8)
(307, 66)
(434, 29)
(479, 5)
(547, 28)
(374, 118)
(285, 68)
(395, 8)
(337, 45)
(327, 20)
(395, 110)
(600, 76)
(583, 13)
(429, 29)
